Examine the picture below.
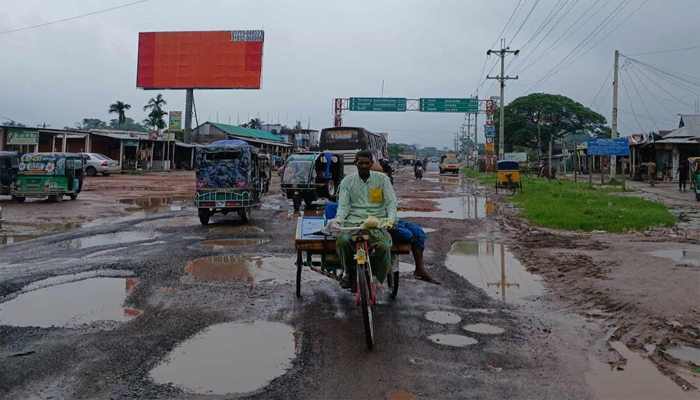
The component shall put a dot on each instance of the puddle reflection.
(491, 267)
(11, 239)
(251, 269)
(154, 205)
(443, 317)
(689, 257)
(231, 243)
(230, 358)
(452, 340)
(462, 207)
(71, 304)
(107, 239)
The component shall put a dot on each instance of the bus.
(348, 141)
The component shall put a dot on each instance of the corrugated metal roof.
(246, 132)
(689, 126)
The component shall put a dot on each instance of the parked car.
(99, 163)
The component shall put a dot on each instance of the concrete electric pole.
(502, 79)
(613, 159)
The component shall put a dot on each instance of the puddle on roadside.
(251, 269)
(638, 379)
(231, 243)
(485, 329)
(449, 181)
(236, 230)
(108, 239)
(452, 340)
(177, 222)
(62, 279)
(154, 205)
(229, 358)
(685, 353)
(401, 395)
(443, 317)
(71, 304)
(689, 257)
(12, 239)
(491, 267)
(462, 207)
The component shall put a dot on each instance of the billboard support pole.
(189, 99)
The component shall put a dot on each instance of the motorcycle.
(419, 173)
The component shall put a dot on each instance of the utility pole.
(502, 79)
(613, 159)
(502, 283)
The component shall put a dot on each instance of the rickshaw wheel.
(296, 200)
(244, 213)
(19, 199)
(393, 281)
(365, 294)
(513, 187)
(56, 198)
(73, 196)
(308, 200)
(330, 188)
(204, 216)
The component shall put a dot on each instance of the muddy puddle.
(108, 239)
(231, 243)
(637, 379)
(484, 329)
(157, 204)
(177, 222)
(452, 340)
(71, 304)
(462, 207)
(12, 239)
(230, 358)
(236, 230)
(251, 269)
(690, 257)
(491, 267)
(685, 353)
(443, 317)
(401, 395)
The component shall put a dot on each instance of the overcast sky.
(318, 50)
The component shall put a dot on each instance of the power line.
(544, 23)
(631, 105)
(517, 11)
(500, 35)
(634, 85)
(601, 87)
(524, 21)
(632, 68)
(666, 91)
(677, 75)
(665, 51)
(72, 18)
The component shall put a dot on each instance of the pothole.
(71, 304)
(231, 243)
(230, 358)
(462, 207)
(236, 230)
(108, 239)
(443, 317)
(152, 205)
(689, 257)
(452, 340)
(491, 267)
(251, 269)
(176, 222)
(685, 353)
(12, 239)
(484, 329)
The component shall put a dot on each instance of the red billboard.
(200, 60)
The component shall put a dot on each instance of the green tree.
(255, 123)
(128, 125)
(13, 123)
(155, 103)
(555, 115)
(119, 108)
(156, 120)
(394, 150)
(91, 123)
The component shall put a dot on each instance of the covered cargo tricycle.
(508, 177)
(230, 177)
(311, 176)
(695, 175)
(9, 165)
(51, 175)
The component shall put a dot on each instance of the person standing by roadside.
(651, 170)
(682, 175)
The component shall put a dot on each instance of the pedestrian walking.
(682, 175)
(651, 171)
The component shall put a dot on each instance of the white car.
(99, 163)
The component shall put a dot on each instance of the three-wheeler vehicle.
(508, 176)
(230, 177)
(51, 175)
(311, 176)
(695, 175)
(9, 165)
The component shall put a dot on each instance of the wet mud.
(231, 243)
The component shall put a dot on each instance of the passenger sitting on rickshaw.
(408, 232)
(365, 194)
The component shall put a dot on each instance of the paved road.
(118, 356)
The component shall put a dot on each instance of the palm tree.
(156, 102)
(155, 119)
(255, 123)
(119, 108)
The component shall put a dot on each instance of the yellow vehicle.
(449, 164)
(508, 177)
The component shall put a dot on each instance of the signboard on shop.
(22, 137)
(608, 147)
(175, 120)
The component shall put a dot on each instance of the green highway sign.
(470, 105)
(377, 104)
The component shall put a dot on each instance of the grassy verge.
(573, 206)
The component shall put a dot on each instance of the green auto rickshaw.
(51, 175)
(9, 165)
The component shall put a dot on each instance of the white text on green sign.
(377, 104)
(468, 105)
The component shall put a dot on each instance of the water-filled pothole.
(462, 207)
(154, 205)
(177, 222)
(689, 257)
(108, 239)
(485, 329)
(685, 353)
(12, 239)
(251, 269)
(231, 243)
(443, 317)
(230, 358)
(236, 230)
(491, 267)
(453, 340)
(71, 304)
